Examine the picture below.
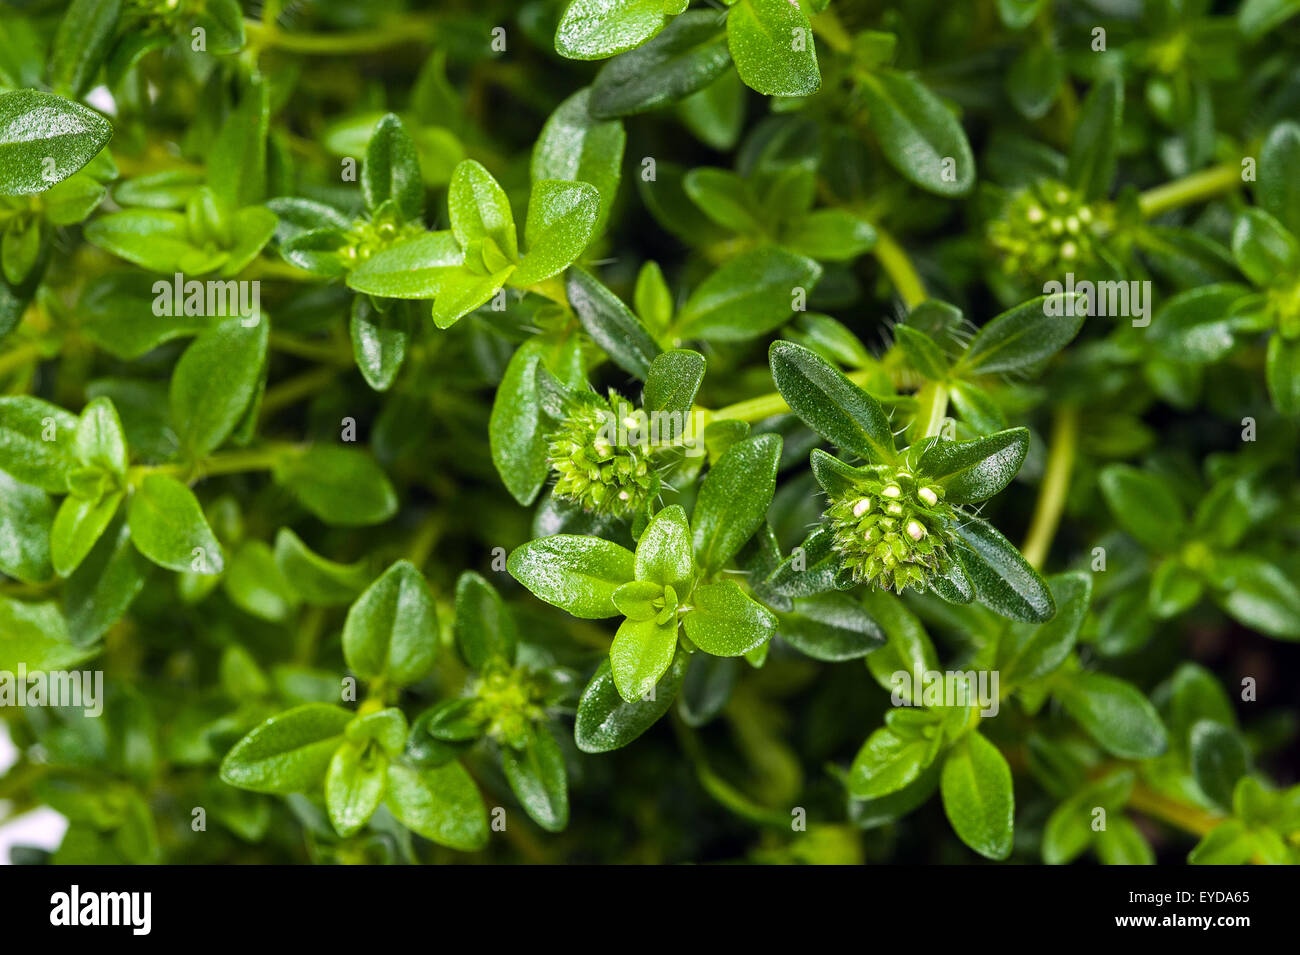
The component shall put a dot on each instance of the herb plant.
(643, 430)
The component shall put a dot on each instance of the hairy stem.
(1055, 486)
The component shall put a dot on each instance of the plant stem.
(20, 356)
(899, 268)
(1159, 806)
(1205, 184)
(286, 393)
(408, 29)
(932, 408)
(1056, 484)
(765, 406)
(234, 462)
(311, 350)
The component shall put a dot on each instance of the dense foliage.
(598, 430)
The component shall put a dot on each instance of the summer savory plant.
(651, 431)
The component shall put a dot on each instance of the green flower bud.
(601, 462)
(899, 545)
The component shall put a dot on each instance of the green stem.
(932, 408)
(721, 790)
(20, 356)
(1055, 487)
(765, 406)
(899, 268)
(1205, 184)
(408, 29)
(295, 389)
(233, 462)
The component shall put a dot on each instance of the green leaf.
(771, 42)
(36, 442)
(578, 148)
(748, 296)
(831, 404)
(726, 621)
(517, 432)
(611, 323)
(464, 291)
(34, 635)
(484, 628)
(1034, 80)
(1282, 373)
(887, 763)
(340, 485)
(725, 198)
(254, 584)
(480, 209)
(288, 753)
(1069, 831)
(1029, 652)
(1263, 247)
(734, 498)
(81, 44)
(1259, 594)
(538, 778)
(1144, 506)
(829, 235)
(606, 721)
(418, 268)
(1122, 843)
(977, 796)
(1197, 325)
(576, 574)
(561, 221)
(103, 586)
(596, 29)
(155, 240)
(1219, 758)
(354, 786)
(379, 341)
(392, 170)
(320, 582)
(972, 471)
(214, 383)
(1094, 149)
(1023, 336)
(237, 160)
(1276, 190)
(918, 134)
(1115, 714)
(663, 554)
(1229, 843)
(26, 515)
(391, 632)
(831, 627)
(907, 649)
(1257, 17)
(440, 803)
(78, 525)
(642, 651)
(672, 383)
(44, 139)
(688, 55)
(652, 297)
(168, 527)
(1004, 581)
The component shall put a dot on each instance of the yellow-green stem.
(899, 268)
(1197, 187)
(1055, 486)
